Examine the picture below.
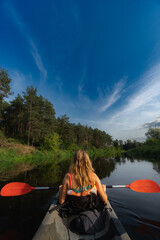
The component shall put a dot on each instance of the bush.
(73, 147)
(51, 142)
(3, 140)
(152, 141)
(149, 151)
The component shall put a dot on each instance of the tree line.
(32, 120)
(150, 149)
(152, 138)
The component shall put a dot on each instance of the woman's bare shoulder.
(66, 175)
(66, 178)
(96, 177)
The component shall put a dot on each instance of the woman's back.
(81, 179)
(73, 187)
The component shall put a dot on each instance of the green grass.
(104, 152)
(13, 161)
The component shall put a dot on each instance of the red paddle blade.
(144, 185)
(16, 189)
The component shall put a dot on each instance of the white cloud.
(141, 106)
(34, 51)
(153, 124)
(59, 84)
(83, 98)
(146, 96)
(114, 96)
(38, 61)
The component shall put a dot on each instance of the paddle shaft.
(116, 186)
(40, 188)
(107, 186)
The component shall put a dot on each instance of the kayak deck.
(53, 227)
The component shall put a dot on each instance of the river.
(139, 212)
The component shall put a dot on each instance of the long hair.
(82, 169)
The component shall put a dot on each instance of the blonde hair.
(82, 168)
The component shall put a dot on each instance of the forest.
(31, 119)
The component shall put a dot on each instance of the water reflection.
(104, 167)
(146, 227)
(156, 166)
(20, 216)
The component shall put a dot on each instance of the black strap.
(57, 207)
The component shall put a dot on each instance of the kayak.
(56, 227)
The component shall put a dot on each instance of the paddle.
(19, 188)
(144, 185)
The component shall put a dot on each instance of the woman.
(81, 181)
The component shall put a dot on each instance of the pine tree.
(5, 90)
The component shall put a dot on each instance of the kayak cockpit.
(56, 227)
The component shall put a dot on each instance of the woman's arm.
(101, 189)
(63, 189)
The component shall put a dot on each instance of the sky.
(98, 62)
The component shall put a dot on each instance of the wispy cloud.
(113, 98)
(38, 61)
(83, 98)
(23, 29)
(141, 105)
(146, 96)
(59, 84)
(153, 124)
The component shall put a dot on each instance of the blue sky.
(96, 61)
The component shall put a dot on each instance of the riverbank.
(19, 158)
(151, 151)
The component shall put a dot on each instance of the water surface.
(139, 212)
